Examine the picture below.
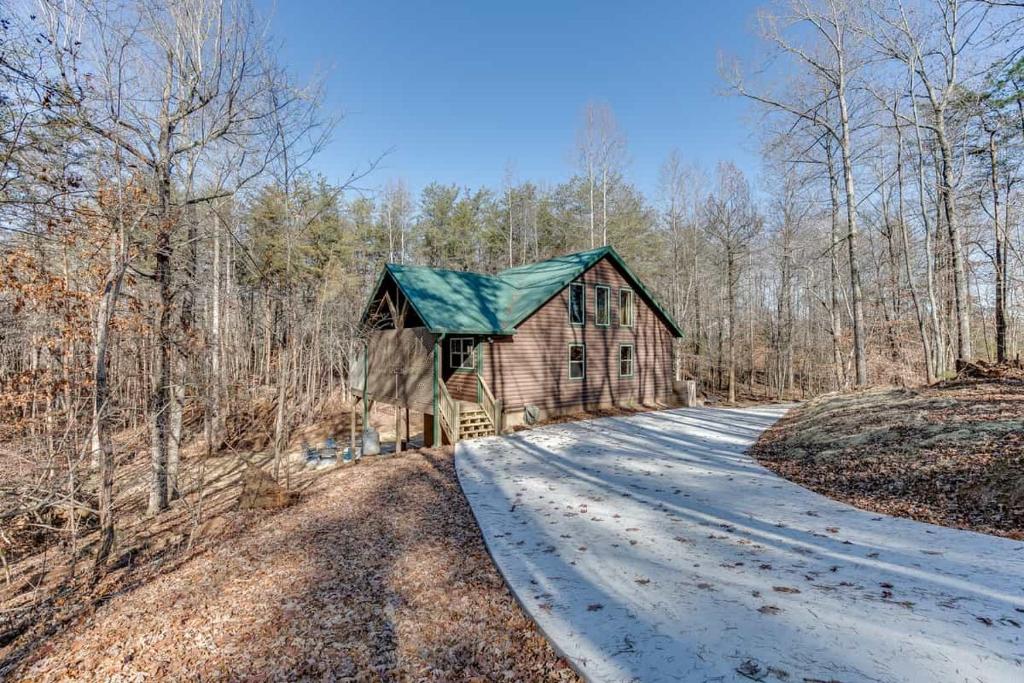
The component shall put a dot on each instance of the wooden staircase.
(474, 421)
(465, 419)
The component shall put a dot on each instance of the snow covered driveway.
(651, 548)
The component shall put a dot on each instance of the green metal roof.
(454, 301)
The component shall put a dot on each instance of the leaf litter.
(378, 572)
(949, 454)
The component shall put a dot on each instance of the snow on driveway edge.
(544, 474)
(523, 605)
(578, 665)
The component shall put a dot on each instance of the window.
(627, 314)
(460, 353)
(602, 306)
(625, 360)
(577, 361)
(577, 303)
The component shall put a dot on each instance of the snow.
(651, 548)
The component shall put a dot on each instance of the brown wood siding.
(461, 383)
(533, 366)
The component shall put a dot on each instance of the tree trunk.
(279, 416)
(510, 233)
(1000, 256)
(960, 288)
(604, 205)
(939, 346)
(859, 338)
(102, 447)
(216, 371)
(174, 424)
(160, 399)
(698, 326)
(181, 354)
(836, 321)
(730, 268)
(784, 337)
(904, 233)
(590, 180)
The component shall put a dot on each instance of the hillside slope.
(377, 573)
(950, 454)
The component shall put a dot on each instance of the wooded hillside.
(171, 255)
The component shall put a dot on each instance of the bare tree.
(169, 89)
(600, 152)
(397, 210)
(831, 55)
(933, 57)
(174, 81)
(733, 222)
(611, 155)
(510, 209)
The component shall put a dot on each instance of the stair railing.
(448, 409)
(491, 406)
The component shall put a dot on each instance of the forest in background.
(170, 254)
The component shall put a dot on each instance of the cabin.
(477, 354)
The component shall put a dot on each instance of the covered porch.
(436, 377)
(414, 371)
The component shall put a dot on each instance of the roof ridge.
(607, 248)
(441, 270)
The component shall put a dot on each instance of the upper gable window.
(460, 353)
(627, 311)
(577, 303)
(602, 306)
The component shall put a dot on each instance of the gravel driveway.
(650, 548)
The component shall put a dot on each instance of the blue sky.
(461, 89)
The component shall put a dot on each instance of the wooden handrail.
(448, 409)
(491, 406)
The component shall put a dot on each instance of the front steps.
(473, 421)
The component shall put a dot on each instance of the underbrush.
(47, 578)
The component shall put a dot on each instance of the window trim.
(632, 300)
(583, 346)
(462, 354)
(597, 321)
(583, 304)
(632, 360)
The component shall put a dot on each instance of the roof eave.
(387, 270)
(475, 332)
(373, 294)
(669, 320)
(598, 255)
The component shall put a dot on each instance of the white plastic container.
(371, 442)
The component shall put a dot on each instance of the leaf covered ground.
(379, 572)
(949, 454)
